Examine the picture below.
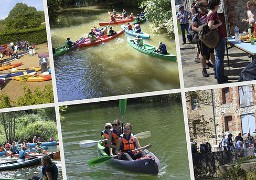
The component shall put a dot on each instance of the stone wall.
(231, 108)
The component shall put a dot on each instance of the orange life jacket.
(127, 144)
(115, 136)
(105, 135)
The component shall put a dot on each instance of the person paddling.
(127, 143)
(105, 136)
(114, 135)
(162, 48)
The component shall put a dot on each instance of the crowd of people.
(11, 50)
(200, 13)
(120, 141)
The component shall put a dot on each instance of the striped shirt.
(183, 17)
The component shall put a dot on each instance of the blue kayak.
(19, 73)
(132, 33)
(2, 153)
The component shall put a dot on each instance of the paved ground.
(192, 71)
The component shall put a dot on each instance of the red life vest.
(127, 144)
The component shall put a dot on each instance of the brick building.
(212, 113)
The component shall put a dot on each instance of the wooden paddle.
(99, 160)
(90, 143)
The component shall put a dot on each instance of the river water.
(111, 68)
(26, 173)
(164, 120)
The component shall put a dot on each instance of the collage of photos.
(141, 89)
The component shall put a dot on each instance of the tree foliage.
(159, 13)
(22, 125)
(23, 17)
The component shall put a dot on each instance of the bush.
(36, 35)
(44, 129)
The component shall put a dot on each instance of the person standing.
(183, 17)
(214, 22)
(205, 52)
(49, 169)
(43, 63)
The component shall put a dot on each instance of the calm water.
(112, 68)
(26, 173)
(164, 120)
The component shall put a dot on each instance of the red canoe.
(119, 21)
(101, 39)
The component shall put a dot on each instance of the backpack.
(209, 37)
(192, 36)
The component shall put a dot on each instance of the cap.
(180, 6)
(108, 124)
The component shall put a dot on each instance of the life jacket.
(127, 144)
(115, 136)
(105, 135)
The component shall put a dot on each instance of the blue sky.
(7, 5)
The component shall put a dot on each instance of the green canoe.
(150, 50)
(141, 20)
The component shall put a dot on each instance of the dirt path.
(14, 89)
(192, 71)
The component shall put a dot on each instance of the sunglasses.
(115, 124)
(108, 127)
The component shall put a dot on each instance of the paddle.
(122, 106)
(99, 160)
(90, 143)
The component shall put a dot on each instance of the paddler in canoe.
(129, 26)
(114, 135)
(139, 41)
(69, 43)
(105, 136)
(92, 36)
(127, 143)
(111, 32)
(124, 14)
(161, 48)
(137, 28)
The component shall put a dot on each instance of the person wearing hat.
(105, 136)
(183, 17)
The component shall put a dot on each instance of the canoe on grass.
(101, 39)
(118, 21)
(12, 165)
(150, 50)
(148, 164)
(132, 33)
(62, 50)
(33, 78)
(6, 67)
(19, 73)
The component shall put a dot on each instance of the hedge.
(37, 36)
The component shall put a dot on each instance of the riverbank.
(15, 89)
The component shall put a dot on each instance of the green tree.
(23, 17)
(159, 14)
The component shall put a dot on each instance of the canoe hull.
(147, 165)
(149, 50)
(120, 21)
(17, 165)
(132, 33)
(102, 39)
